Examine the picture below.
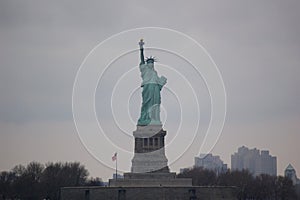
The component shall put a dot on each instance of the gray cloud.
(255, 44)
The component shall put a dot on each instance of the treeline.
(248, 187)
(37, 181)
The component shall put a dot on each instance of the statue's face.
(151, 65)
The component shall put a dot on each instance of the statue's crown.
(151, 59)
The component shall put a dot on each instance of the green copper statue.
(152, 85)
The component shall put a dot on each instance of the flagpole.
(117, 167)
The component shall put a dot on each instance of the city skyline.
(254, 44)
(255, 160)
(211, 162)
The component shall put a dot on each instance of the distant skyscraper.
(208, 161)
(290, 172)
(257, 163)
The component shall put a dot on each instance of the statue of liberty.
(152, 85)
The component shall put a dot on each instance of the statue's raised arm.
(141, 43)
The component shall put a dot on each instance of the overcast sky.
(255, 45)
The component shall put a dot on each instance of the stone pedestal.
(149, 150)
(149, 164)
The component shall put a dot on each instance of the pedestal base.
(149, 150)
(155, 161)
(150, 180)
(150, 164)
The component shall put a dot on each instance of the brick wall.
(145, 193)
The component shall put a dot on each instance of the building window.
(145, 141)
(87, 195)
(156, 141)
(150, 141)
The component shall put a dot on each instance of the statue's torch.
(141, 43)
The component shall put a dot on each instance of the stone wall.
(147, 193)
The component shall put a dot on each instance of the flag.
(114, 157)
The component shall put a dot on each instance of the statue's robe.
(152, 84)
